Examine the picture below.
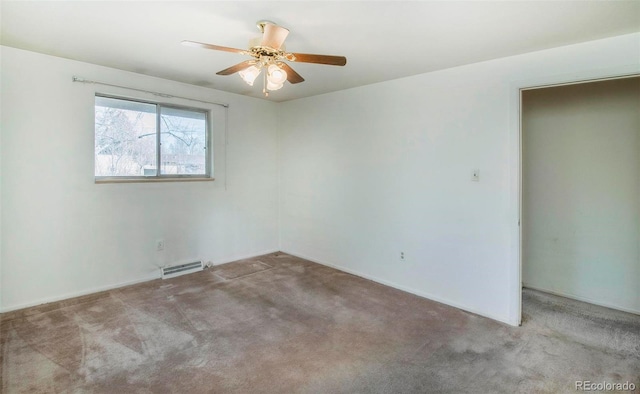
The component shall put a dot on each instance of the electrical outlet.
(402, 256)
(160, 245)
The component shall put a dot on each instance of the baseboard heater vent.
(181, 269)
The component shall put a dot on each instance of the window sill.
(152, 180)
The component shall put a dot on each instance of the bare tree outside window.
(127, 137)
(183, 137)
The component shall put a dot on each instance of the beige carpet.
(279, 324)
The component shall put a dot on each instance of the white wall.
(64, 235)
(581, 191)
(369, 172)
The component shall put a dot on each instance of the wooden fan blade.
(319, 59)
(274, 36)
(292, 76)
(210, 46)
(237, 67)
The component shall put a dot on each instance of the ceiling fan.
(268, 52)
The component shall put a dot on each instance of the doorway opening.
(580, 191)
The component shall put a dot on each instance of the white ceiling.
(381, 40)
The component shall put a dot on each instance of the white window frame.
(207, 176)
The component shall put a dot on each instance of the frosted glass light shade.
(250, 74)
(276, 75)
(273, 86)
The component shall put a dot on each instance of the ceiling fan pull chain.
(264, 84)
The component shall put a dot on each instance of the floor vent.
(181, 269)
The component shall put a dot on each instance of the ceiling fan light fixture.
(269, 52)
(276, 75)
(249, 74)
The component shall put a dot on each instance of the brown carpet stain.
(280, 324)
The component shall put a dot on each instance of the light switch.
(475, 175)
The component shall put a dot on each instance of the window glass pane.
(183, 137)
(125, 143)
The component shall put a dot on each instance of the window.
(137, 140)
